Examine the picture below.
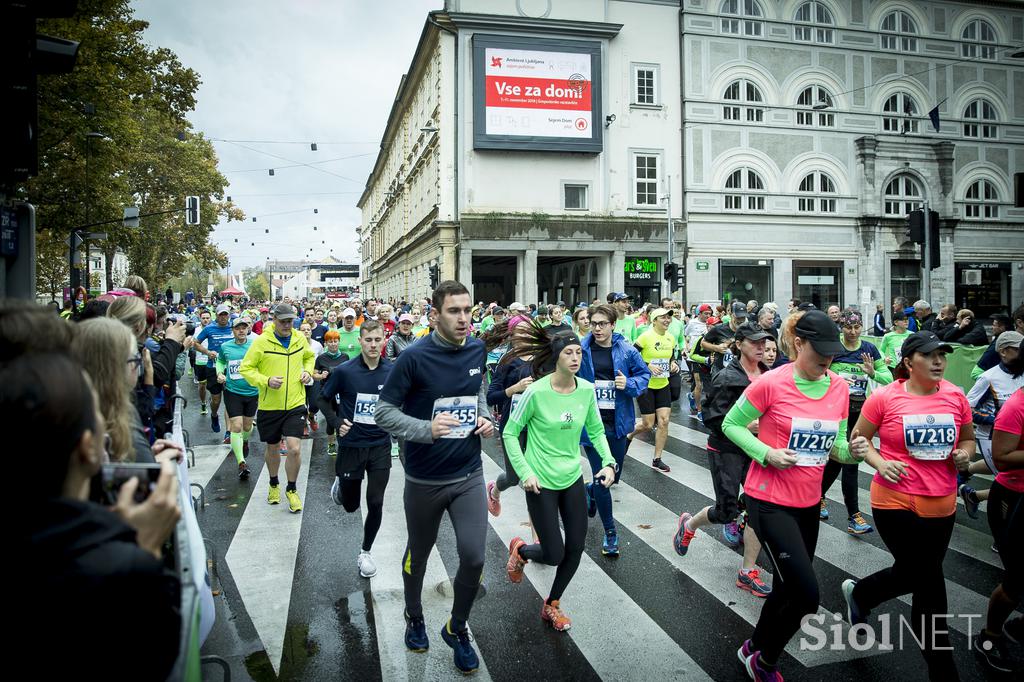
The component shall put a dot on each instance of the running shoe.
(202, 409)
(552, 614)
(971, 502)
(227, 438)
(758, 672)
(752, 583)
(731, 533)
(283, 449)
(294, 503)
(660, 466)
(745, 651)
(313, 423)
(464, 655)
(693, 403)
(992, 652)
(493, 505)
(858, 526)
(823, 514)
(215, 423)
(681, 540)
(610, 545)
(243, 471)
(591, 502)
(367, 566)
(995, 547)
(416, 634)
(305, 430)
(516, 563)
(394, 450)
(274, 495)
(336, 491)
(1013, 629)
(853, 612)
(332, 449)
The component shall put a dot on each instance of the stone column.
(618, 275)
(529, 277)
(466, 269)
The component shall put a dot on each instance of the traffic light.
(915, 233)
(192, 210)
(675, 276)
(915, 226)
(435, 276)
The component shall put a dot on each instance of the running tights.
(509, 477)
(851, 490)
(425, 504)
(545, 509)
(602, 495)
(789, 536)
(376, 483)
(918, 546)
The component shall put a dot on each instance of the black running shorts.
(352, 462)
(655, 398)
(212, 385)
(277, 424)
(239, 405)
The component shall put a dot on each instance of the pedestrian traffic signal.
(191, 210)
(435, 276)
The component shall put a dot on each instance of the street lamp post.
(79, 239)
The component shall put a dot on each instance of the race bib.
(812, 440)
(858, 383)
(366, 406)
(605, 390)
(726, 358)
(233, 367)
(662, 364)
(462, 408)
(929, 436)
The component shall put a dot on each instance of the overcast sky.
(323, 71)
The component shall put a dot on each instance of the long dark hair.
(536, 341)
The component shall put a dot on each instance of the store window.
(983, 288)
(818, 282)
(742, 280)
(905, 278)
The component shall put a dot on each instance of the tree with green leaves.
(114, 133)
(255, 280)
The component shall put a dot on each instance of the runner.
(893, 341)
(348, 401)
(728, 464)
(626, 325)
(863, 368)
(325, 364)
(556, 408)
(801, 411)
(442, 422)
(401, 339)
(656, 347)
(700, 369)
(201, 360)
(215, 335)
(280, 365)
(581, 321)
(349, 334)
(924, 427)
(718, 339)
(240, 398)
(619, 375)
(1005, 519)
(313, 389)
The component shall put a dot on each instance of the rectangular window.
(755, 203)
(742, 280)
(888, 41)
(905, 280)
(733, 202)
(819, 282)
(575, 197)
(645, 179)
(805, 205)
(730, 25)
(731, 113)
(645, 84)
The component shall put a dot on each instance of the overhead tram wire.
(299, 163)
(302, 142)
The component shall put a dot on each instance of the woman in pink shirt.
(1006, 519)
(926, 434)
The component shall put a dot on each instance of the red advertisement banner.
(538, 93)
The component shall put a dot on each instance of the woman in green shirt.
(556, 407)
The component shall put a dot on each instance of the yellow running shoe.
(294, 503)
(274, 495)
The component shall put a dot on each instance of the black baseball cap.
(822, 333)
(751, 332)
(923, 342)
(739, 310)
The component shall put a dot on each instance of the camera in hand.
(107, 483)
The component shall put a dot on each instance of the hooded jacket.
(269, 358)
(626, 359)
(95, 588)
(973, 335)
(723, 392)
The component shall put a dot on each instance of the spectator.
(833, 313)
(878, 326)
(776, 318)
(136, 284)
(924, 315)
(26, 327)
(945, 321)
(1018, 319)
(967, 330)
(753, 308)
(96, 571)
(766, 320)
(990, 358)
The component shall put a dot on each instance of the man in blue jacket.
(619, 375)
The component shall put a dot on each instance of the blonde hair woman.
(106, 350)
(131, 311)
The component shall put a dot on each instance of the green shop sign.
(702, 265)
(642, 270)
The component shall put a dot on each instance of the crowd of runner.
(792, 401)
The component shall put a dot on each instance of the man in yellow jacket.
(280, 364)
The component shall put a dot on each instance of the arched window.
(902, 195)
(981, 200)
(899, 32)
(899, 114)
(748, 95)
(819, 186)
(811, 96)
(979, 117)
(979, 40)
(742, 14)
(740, 187)
(819, 23)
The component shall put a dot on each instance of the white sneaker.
(336, 491)
(367, 566)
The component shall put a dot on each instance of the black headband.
(561, 341)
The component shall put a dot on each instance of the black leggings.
(918, 546)
(545, 509)
(833, 468)
(376, 483)
(789, 536)
(1006, 520)
(509, 477)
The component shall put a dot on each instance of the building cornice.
(561, 27)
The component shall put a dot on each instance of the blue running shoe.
(610, 546)
(416, 634)
(465, 656)
(215, 423)
(858, 526)
(971, 502)
(591, 502)
(731, 533)
(681, 540)
(823, 514)
(693, 403)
